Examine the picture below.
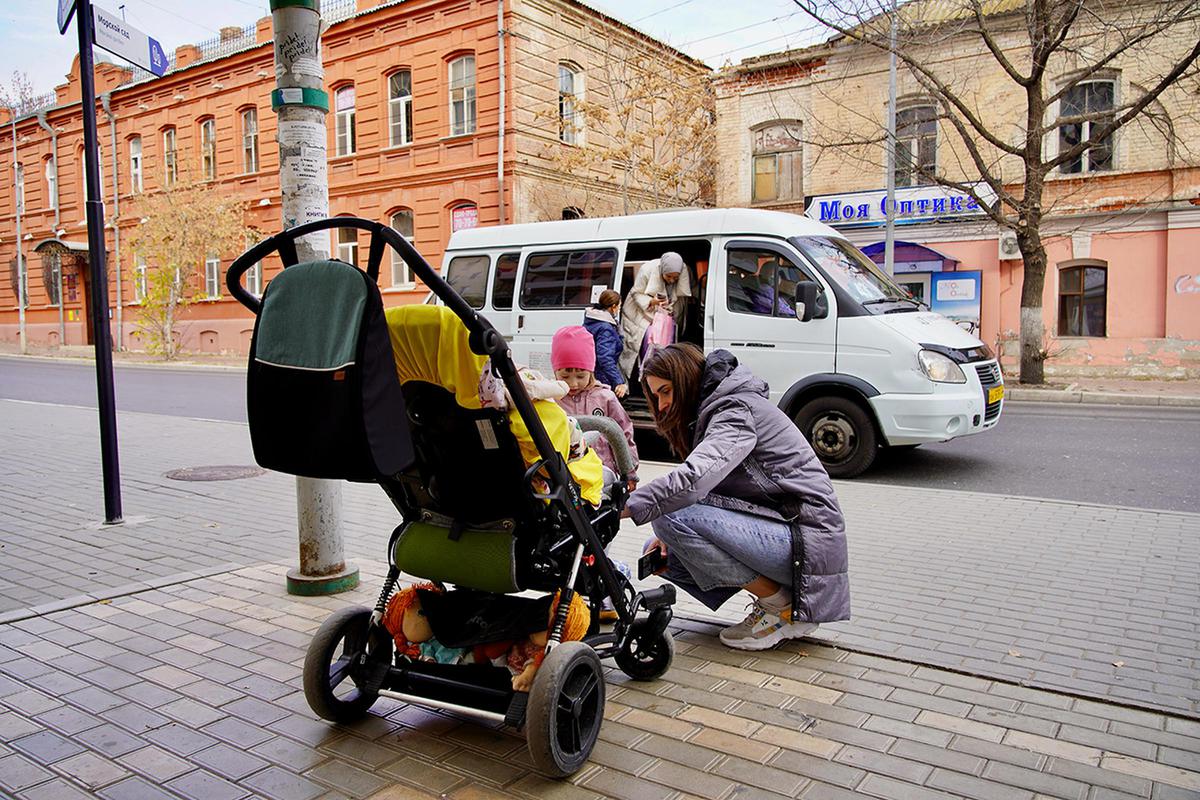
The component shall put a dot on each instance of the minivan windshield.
(858, 275)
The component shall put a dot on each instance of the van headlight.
(940, 368)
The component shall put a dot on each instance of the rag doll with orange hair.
(410, 628)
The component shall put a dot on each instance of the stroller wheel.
(647, 655)
(333, 685)
(566, 708)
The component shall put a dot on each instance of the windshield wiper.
(890, 300)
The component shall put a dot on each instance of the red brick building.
(413, 134)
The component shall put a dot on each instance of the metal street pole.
(17, 206)
(301, 104)
(889, 240)
(101, 334)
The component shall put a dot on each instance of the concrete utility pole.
(889, 239)
(18, 209)
(301, 103)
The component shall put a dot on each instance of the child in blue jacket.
(601, 322)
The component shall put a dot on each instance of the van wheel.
(841, 434)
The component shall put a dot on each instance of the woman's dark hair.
(607, 299)
(683, 365)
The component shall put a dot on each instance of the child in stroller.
(491, 510)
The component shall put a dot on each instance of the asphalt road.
(1144, 457)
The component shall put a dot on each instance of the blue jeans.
(713, 552)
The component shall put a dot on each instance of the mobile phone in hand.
(650, 563)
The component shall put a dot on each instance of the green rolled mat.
(477, 559)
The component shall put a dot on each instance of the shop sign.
(956, 295)
(912, 204)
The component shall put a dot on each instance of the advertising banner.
(957, 295)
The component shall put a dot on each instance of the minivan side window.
(762, 282)
(505, 285)
(467, 275)
(566, 280)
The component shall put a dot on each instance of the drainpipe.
(106, 102)
(21, 267)
(500, 33)
(62, 322)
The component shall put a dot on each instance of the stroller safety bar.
(612, 434)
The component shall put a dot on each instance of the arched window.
(1082, 109)
(250, 140)
(570, 93)
(778, 162)
(402, 221)
(19, 169)
(344, 104)
(135, 164)
(463, 216)
(208, 149)
(51, 184)
(400, 108)
(141, 283)
(212, 277)
(462, 96)
(1082, 298)
(916, 145)
(170, 157)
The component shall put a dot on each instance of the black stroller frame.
(352, 651)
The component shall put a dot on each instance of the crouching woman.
(749, 508)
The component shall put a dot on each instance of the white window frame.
(51, 184)
(462, 94)
(915, 177)
(140, 281)
(208, 149)
(346, 137)
(254, 277)
(570, 119)
(170, 157)
(1085, 132)
(400, 112)
(212, 278)
(347, 250)
(249, 117)
(135, 164)
(402, 276)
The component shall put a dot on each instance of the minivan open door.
(555, 286)
(753, 302)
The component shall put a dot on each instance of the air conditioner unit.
(1008, 245)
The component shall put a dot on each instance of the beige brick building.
(803, 131)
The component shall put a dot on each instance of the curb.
(1027, 395)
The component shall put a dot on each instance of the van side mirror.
(806, 299)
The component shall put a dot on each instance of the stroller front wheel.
(333, 680)
(566, 709)
(647, 654)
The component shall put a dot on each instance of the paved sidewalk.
(1048, 593)
(1109, 391)
(193, 692)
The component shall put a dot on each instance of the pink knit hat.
(573, 347)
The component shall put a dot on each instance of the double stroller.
(507, 534)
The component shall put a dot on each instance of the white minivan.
(862, 366)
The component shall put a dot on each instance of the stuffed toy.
(526, 656)
(406, 622)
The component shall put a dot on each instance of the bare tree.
(645, 125)
(1049, 55)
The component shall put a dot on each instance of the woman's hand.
(621, 391)
(655, 544)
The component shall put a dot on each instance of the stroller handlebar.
(484, 338)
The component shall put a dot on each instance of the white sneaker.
(762, 629)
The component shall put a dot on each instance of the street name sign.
(122, 39)
(66, 8)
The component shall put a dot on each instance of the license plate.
(995, 394)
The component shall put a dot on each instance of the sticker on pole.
(122, 39)
(66, 9)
